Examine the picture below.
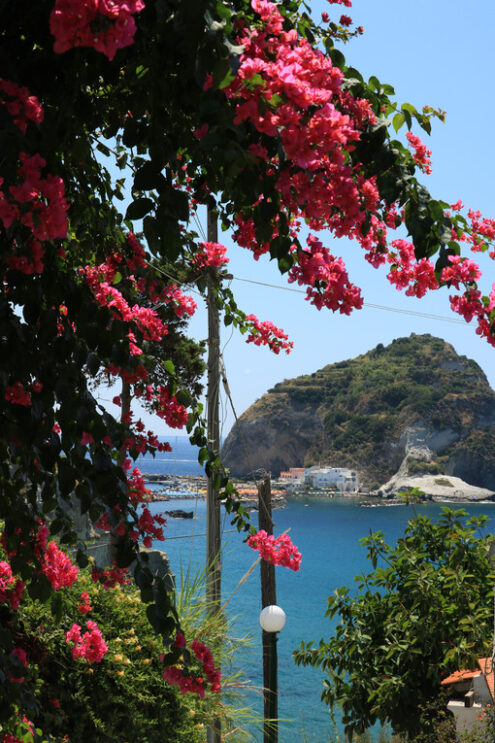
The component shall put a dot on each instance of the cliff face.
(368, 412)
(276, 434)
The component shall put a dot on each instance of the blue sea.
(182, 460)
(327, 532)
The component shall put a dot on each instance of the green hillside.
(362, 409)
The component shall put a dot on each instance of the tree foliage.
(424, 611)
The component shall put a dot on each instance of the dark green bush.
(123, 698)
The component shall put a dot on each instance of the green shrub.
(425, 468)
(426, 608)
(123, 698)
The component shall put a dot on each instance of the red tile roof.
(487, 669)
(457, 676)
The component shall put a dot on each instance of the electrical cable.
(425, 315)
(189, 536)
(397, 310)
(199, 225)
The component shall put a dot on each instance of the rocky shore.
(436, 487)
(444, 488)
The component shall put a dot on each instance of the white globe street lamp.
(272, 618)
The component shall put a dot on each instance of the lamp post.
(272, 620)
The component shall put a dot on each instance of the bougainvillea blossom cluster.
(33, 201)
(326, 278)
(151, 526)
(194, 684)
(84, 607)
(46, 210)
(169, 409)
(182, 304)
(38, 203)
(57, 567)
(460, 271)
(421, 155)
(317, 122)
(105, 25)
(292, 93)
(146, 318)
(16, 394)
(138, 492)
(89, 645)
(55, 564)
(276, 550)
(265, 333)
(11, 587)
(21, 105)
(111, 577)
(211, 254)
(417, 277)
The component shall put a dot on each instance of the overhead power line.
(425, 315)
(397, 310)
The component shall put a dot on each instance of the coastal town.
(326, 482)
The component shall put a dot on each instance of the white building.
(340, 478)
(470, 692)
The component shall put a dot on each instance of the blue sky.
(436, 52)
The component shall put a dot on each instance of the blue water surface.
(327, 532)
(182, 460)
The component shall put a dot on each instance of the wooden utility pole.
(213, 542)
(125, 402)
(269, 639)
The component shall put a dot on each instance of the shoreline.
(192, 487)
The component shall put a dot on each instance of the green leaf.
(148, 178)
(57, 606)
(374, 83)
(234, 49)
(284, 264)
(353, 75)
(103, 149)
(93, 363)
(179, 202)
(183, 397)
(388, 89)
(398, 121)
(139, 208)
(66, 477)
(82, 557)
(222, 74)
(337, 58)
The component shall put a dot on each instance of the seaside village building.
(469, 692)
(294, 474)
(323, 478)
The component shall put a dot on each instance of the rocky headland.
(411, 414)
